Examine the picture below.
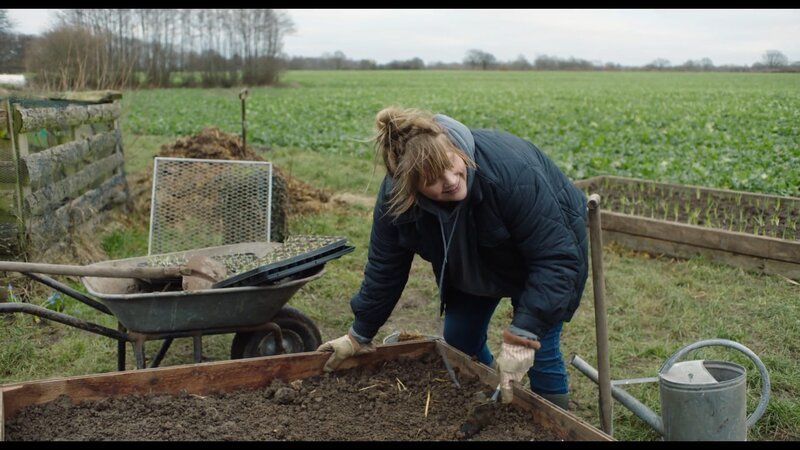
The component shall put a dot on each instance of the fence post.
(19, 149)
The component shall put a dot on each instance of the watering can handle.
(765, 386)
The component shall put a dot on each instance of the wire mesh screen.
(199, 203)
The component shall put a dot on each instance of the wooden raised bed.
(225, 376)
(756, 232)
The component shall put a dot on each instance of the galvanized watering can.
(701, 400)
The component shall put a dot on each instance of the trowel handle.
(765, 386)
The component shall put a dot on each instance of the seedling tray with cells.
(297, 255)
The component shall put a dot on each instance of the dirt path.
(385, 404)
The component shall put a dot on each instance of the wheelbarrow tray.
(177, 311)
(253, 373)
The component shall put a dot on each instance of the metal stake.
(242, 96)
(601, 328)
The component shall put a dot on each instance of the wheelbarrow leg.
(161, 352)
(197, 341)
(138, 352)
(121, 348)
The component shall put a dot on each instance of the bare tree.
(6, 24)
(659, 63)
(774, 59)
(706, 64)
(6, 39)
(475, 58)
(520, 63)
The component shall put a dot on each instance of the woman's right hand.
(343, 348)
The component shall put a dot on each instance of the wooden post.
(2, 419)
(121, 150)
(242, 96)
(19, 148)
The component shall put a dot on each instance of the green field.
(727, 130)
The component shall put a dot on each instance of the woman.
(496, 218)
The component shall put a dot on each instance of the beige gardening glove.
(516, 358)
(343, 348)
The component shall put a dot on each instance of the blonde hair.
(414, 148)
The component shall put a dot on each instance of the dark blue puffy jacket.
(520, 233)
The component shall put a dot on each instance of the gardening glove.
(343, 348)
(516, 358)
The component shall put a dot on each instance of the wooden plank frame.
(748, 251)
(29, 119)
(222, 376)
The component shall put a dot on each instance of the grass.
(654, 305)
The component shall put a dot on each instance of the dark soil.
(730, 211)
(387, 403)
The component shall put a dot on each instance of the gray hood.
(458, 132)
(462, 137)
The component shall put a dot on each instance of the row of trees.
(116, 48)
(475, 59)
(120, 48)
(12, 46)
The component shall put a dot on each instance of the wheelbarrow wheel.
(300, 334)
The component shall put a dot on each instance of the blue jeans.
(466, 322)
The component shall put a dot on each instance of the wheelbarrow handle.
(96, 271)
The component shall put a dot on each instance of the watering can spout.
(635, 406)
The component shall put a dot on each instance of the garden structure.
(757, 232)
(61, 167)
(400, 392)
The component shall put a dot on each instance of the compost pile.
(212, 143)
(401, 400)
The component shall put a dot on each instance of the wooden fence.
(61, 168)
(752, 252)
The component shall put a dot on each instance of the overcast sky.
(629, 37)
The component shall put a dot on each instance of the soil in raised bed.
(763, 216)
(400, 400)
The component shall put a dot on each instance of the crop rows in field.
(727, 130)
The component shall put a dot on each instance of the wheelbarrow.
(258, 315)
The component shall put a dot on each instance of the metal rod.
(634, 381)
(138, 353)
(197, 347)
(629, 401)
(161, 352)
(121, 348)
(496, 393)
(64, 289)
(601, 327)
(447, 365)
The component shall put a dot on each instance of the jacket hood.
(458, 132)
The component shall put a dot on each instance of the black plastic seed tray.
(274, 272)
